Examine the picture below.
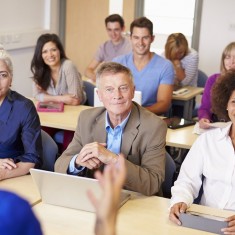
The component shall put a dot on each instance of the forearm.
(159, 108)
(22, 169)
(143, 180)
(61, 98)
(89, 73)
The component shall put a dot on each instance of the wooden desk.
(66, 120)
(23, 186)
(181, 138)
(187, 99)
(143, 215)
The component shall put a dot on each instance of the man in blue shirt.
(120, 127)
(153, 75)
(20, 131)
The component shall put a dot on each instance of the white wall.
(217, 30)
(21, 22)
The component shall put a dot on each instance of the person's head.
(228, 58)
(6, 73)
(48, 53)
(141, 35)
(115, 88)
(176, 47)
(115, 26)
(223, 96)
(16, 216)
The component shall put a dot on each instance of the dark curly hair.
(41, 71)
(221, 93)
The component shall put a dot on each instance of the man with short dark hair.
(153, 75)
(117, 45)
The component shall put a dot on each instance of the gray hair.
(5, 57)
(112, 68)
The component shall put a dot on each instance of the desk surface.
(67, 120)
(143, 215)
(192, 92)
(23, 186)
(181, 138)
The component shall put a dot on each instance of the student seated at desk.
(56, 78)
(20, 131)
(184, 59)
(153, 75)
(121, 126)
(117, 45)
(227, 63)
(211, 156)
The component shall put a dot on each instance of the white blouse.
(212, 155)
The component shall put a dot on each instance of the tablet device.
(177, 122)
(50, 107)
(205, 222)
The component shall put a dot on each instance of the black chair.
(89, 89)
(170, 173)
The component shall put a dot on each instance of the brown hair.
(114, 18)
(142, 22)
(227, 51)
(221, 93)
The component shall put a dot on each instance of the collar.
(224, 132)
(121, 125)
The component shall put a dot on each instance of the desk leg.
(188, 109)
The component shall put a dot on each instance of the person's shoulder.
(149, 117)
(162, 60)
(19, 99)
(66, 63)
(122, 59)
(213, 77)
(93, 112)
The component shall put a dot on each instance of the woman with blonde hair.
(227, 63)
(184, 59)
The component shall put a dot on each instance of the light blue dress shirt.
(114, 141)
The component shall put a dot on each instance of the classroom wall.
(217, 30)
(19, 30)
(85, 31)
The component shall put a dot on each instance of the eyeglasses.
(4, 75)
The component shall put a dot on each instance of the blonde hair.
(226, 52)
(173, 43)
(5, 57)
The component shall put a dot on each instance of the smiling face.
(5, 80)
(51, 54)
(116, 91)
(114, 31)
(141, 40)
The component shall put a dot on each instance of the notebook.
(67, 190)
(50, 107)
(137, 98)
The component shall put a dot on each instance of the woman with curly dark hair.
(55, 77)
(211, 156)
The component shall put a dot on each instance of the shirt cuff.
(72, 169)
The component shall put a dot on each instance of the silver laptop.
(67, 190)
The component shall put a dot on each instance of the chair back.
(170, 171)
(89, 89)
(50, 151)
(202, 78)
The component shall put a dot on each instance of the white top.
(212, 155)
